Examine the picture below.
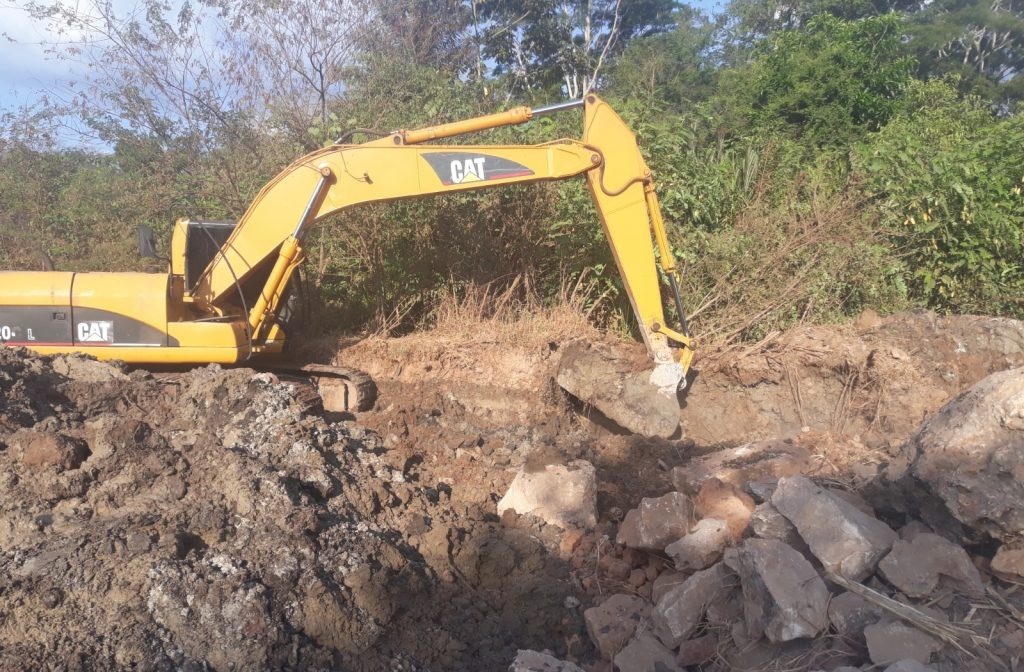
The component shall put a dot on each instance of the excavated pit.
(213, 520)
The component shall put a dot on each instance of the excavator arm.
(249, 275)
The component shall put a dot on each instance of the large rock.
(850, 613)
(646, 654)
(725, 502)
(892, 642)
(846, 540)
(766, 522)
(702, 547)
(563, 495)
(783, 596)
(657, 522)
(535, 661)
(762, 462)
(971, 455)
(1009, 562)
(680, 611)
(927, 562)
(606, 383)
(613, 623)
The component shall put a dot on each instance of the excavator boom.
(228, 311)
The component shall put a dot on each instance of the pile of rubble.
(749, 564)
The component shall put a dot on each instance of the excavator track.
(343, 389)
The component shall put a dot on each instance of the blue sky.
(26, 69)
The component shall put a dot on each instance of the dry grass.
(781, 266)
(514, 315)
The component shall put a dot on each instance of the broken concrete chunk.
(893, 642)
(680, 611)
(919, 567)
(646, 653)
(970, 454)
(535, 661)
(657, 522)
(846, 540)
(783, 596)
(563, 495)
(702, 547)
(613, 622)
(606, 383)
(727, 503)
(850, 613)
(1009, 562)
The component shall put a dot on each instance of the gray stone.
(605, 382)
(535, 661)
(698, 650)
(850, 613)
(657, 522)
(680, 611)
(613, 622)
(928, 562)
(846, 540)
(563, 495)
(702, 547)
(893, 642)
(971, 455)
(783, 596)
(646, 654)
(1009, 562)
(909, 665)
(766, 522)
(665, 582)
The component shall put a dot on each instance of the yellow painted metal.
(362, 174)
(620, 188)
(516, 115)
(35, 288)
(288, 258)
(179, 239)
(140, 296)
(618, 178)
(269, 234)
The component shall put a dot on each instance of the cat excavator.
(223, 297)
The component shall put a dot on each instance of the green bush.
(947, 177)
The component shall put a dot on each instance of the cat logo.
(96, 332)
(464, 167)
(470, 170)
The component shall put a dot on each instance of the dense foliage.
(813, 158)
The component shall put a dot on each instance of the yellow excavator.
(222, 298)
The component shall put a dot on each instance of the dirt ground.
(216, 519)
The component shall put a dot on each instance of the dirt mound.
(213, 519)
(877, 379)
(207, 520)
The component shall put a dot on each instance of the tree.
(541, 45)
(982, 41)
(675, 67)
(830, 81)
